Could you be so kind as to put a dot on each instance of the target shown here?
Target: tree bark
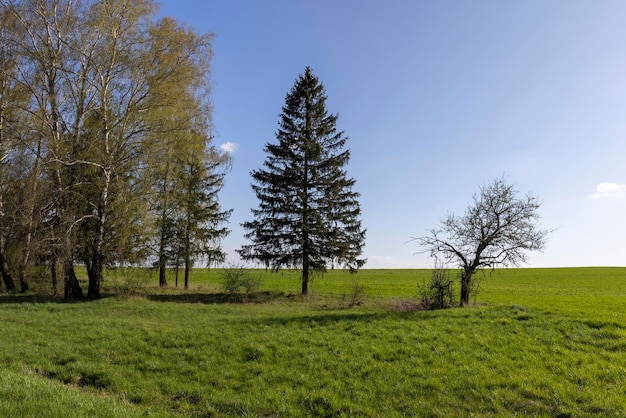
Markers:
(53, 275)
(29, 226)
(466, 281)
(6, 274)
(22, 278)
(162, 258)
(95, 270)
(162, 267)
(163, 233)
(187, 249)
(305, 278)
(72, 287)
(176, 270)
(95, 277)
(4, 265)
(187, 270)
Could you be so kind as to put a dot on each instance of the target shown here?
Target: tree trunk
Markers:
(187, 250)
(6, 274)
(163, 234)
(53, 275)
(305, 245)
(95, 277)
(72, 287)
(305, 279)
(162, 260)
(97, 258)
(466, 281)
(187, 269)
(25, 256)
(22, 277)
(4, 266)
(31, 212)
(162, 279)
(187, 259)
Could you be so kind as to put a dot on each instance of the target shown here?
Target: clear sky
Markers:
(437, 98)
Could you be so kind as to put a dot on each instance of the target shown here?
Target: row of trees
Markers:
(106, 155)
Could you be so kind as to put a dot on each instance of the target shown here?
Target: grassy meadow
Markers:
(537, 342)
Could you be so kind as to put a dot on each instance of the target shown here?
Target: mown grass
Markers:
(539, 342)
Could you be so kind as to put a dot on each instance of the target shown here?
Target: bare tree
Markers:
(497, 230)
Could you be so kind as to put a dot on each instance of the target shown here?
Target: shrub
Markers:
(238, 277)
(357, 295)
(437, 292)
(231, 279)
(250, 283)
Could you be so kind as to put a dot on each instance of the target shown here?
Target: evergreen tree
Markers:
(202, 220)
(179, 110)
(308, 214)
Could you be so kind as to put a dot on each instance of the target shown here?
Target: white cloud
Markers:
(607, 189)
(229, 147)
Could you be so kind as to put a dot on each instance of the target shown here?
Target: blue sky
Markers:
(437, 98)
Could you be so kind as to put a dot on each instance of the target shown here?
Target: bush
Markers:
(231, 279)
(357, 296)
(238, 277)
(250, 283)
(437, 293)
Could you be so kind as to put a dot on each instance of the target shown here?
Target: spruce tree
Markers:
(202, 219)
(308, 215)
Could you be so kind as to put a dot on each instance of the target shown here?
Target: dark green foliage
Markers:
(202, 217)
(308, 214)
(191, 221)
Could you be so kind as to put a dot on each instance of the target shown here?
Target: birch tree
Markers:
(109, 93)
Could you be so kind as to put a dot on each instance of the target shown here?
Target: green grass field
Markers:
(538, 342)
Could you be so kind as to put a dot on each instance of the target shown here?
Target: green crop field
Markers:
(537, 342)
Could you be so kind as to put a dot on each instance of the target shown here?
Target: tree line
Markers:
(106, 154)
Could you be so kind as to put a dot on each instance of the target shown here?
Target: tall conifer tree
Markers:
(308, 215)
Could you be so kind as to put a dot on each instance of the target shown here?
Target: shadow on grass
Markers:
(27, 298)
(321, 319)
(17, 298)
(222, 298)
